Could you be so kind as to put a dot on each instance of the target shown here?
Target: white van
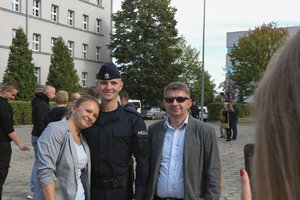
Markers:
(137, 103)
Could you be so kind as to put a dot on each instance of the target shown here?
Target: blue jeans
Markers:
(234, 129)
(33, 181)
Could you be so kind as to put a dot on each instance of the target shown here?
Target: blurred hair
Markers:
(177, 86)
(277, 157)
(93, 91)
(9, 86)
(61, 97)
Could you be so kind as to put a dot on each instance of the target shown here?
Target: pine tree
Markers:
(20, 68)
(62, 74)
(144, 45)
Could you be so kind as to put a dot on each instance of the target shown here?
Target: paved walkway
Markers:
(232, 158)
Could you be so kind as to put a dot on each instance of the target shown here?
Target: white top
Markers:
(82, 162)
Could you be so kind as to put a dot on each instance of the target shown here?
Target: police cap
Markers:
(108, 71)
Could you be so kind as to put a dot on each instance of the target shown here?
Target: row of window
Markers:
(54, 14)
(83, 77)
(36, 44)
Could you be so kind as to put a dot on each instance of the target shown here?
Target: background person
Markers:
(40, 107)
(235, 117)
(276, 161)
(63, 164)
(59, 111)
(228, 113)
(93, 91)
(195, 110)
(118, 134)
(184, 159)
(222, 120)
(124, 98)
(75, 96)
(7, 133)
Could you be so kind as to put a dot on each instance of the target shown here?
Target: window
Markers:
(71, 47)
(14, 32)
(36, 8)
(54, 13)
(99, 2)
(15, 5)
(85, 20)
(84, 79)
(84, 50)
(97, 53)
(70, 18)
(36, 42)
(98, 25)
(53, 40)
(37, 73)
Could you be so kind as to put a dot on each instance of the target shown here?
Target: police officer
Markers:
(117, 134)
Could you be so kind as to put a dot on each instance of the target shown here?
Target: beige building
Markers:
(85, 26)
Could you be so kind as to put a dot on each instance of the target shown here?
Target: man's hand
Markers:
(23, 147)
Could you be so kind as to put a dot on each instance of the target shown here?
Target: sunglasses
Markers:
(178, 99)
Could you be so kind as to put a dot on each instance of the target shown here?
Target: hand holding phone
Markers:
(248, 154)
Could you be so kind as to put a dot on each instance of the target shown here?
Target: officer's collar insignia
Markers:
(106, 76)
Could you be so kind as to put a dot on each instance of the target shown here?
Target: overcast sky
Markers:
(224, 16)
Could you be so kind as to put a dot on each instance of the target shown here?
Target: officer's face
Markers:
(177, 109)
(109, 89)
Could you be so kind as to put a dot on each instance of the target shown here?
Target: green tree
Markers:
(62, 74)
(189, 62)
(20, 68)
(144, 45)
(251, 55)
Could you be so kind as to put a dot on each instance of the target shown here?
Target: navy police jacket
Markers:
(113, 139)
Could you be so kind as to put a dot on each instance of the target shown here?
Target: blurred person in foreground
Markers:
(63, 160)
(7, 132)
(184, 159)
(276, 172)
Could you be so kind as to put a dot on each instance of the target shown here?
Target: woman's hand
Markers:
(245, 185)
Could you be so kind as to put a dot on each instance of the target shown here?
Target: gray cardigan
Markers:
(202, 167)
(57, 162)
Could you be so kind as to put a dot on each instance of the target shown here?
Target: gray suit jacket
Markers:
(58, 163)
(202, 167)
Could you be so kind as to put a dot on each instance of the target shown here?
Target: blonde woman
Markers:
(64, 158)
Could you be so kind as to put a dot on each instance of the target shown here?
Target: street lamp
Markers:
(202, 81)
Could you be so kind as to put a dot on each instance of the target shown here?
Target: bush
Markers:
(22, 112)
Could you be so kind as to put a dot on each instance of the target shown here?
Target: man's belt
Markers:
(109, 183)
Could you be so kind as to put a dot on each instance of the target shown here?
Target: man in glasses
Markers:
(184, 158)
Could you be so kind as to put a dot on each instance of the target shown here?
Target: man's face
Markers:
(10, 95)
(51, 93)
(109, 89)
(175, 108)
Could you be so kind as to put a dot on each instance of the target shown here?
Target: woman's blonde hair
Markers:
(277, 148)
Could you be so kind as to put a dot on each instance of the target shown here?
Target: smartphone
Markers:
(248, 154)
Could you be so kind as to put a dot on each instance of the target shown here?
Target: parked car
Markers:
(153, 113)
(205, 113)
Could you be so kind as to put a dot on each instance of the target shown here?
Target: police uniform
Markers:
(113, 139)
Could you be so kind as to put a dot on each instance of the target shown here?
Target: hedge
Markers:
(214, 110)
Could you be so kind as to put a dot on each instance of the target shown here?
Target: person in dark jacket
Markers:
(40, 107)
(7, 133)
(59, 111)
(117, 134)
(124, 98)
(194, 110)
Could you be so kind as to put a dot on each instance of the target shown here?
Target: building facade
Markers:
(84, 25)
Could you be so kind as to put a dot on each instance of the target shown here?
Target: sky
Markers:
(222, 16)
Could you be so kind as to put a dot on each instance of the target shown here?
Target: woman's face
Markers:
(85, 114)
